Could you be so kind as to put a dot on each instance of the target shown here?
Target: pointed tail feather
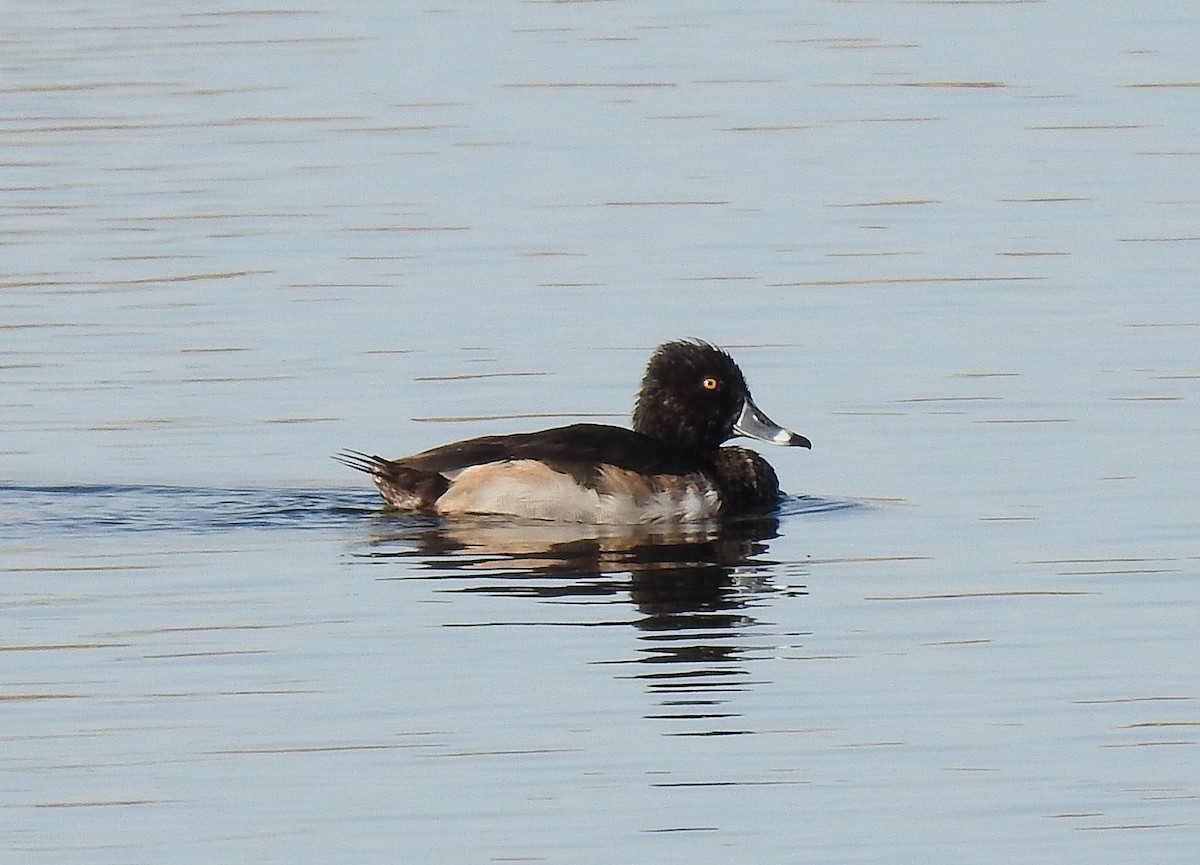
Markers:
(402, 486)
(369, 463)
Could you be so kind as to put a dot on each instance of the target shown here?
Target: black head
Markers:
(694, 397)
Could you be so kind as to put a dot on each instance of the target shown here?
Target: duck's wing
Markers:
(581, 450)
(585, 452)
(449, 460)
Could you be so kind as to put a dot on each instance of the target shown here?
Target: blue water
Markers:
(954, 244)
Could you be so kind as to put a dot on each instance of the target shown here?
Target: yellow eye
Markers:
(710, 383)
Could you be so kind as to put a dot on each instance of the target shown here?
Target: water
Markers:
(955, 244)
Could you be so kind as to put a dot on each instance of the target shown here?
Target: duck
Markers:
(671, 467)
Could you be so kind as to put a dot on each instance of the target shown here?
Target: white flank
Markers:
(530, 489)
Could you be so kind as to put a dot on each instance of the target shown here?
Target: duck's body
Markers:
(669, 468)
(590, 473)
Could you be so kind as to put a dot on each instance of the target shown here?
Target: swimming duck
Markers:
(669, 468)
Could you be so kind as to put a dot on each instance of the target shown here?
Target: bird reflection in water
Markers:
(694, 587)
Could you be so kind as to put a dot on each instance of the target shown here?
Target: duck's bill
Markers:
(754, 424)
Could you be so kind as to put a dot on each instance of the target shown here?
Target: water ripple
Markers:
(33, 511)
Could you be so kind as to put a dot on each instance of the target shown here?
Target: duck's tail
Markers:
(369, 463)
(401, 486)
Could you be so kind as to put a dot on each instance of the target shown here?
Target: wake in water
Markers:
(30, 511)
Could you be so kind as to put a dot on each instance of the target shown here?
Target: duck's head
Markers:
(694, 396)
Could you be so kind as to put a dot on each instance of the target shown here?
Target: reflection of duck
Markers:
(669, 468)
(671, 569)
(694, 587)
(472, 542)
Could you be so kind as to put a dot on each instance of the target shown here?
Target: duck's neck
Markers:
(657, 416)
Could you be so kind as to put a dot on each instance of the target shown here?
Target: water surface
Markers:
(955, 244)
